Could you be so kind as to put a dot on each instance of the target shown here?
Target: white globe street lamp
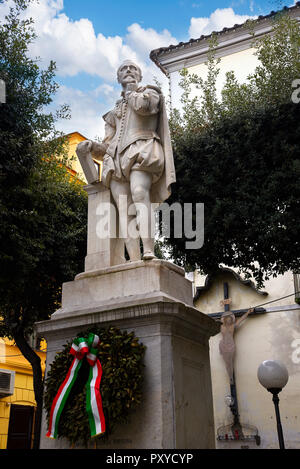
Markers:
(273, 375)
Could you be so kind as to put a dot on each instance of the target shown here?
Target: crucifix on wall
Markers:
(229, 324)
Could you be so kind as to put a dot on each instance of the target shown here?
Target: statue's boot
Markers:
(148, 244)
(133, 249)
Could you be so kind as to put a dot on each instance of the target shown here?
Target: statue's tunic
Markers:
(136, 140)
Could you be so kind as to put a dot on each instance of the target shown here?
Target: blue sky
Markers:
(115, 16)
(88, 39)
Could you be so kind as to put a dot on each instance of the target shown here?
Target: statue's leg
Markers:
(122, 197)
(140, 185)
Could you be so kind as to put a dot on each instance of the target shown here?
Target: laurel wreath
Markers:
(121, 356)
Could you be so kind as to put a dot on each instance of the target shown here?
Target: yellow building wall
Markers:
(74, 165)
(12, 359)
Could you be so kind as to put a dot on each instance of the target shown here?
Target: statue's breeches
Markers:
(142, 155)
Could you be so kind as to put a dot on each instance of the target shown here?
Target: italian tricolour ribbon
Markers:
(81, 347)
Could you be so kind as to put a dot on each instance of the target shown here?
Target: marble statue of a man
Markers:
(137, 157)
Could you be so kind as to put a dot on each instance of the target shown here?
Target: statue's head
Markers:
(129, 72)
(228, 317)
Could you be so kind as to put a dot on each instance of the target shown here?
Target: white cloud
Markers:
(74, 45)
(104, 89)
(219, 19)
(4, 9)
(87, 109)
(76, 48)
(144, 40)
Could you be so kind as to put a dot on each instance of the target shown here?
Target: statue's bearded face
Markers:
(128, 72)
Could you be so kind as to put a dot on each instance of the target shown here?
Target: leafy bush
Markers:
(238, 153)
(121, 357)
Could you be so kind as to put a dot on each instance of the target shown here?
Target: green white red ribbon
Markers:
(81, 348)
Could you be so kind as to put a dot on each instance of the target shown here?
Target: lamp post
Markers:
(273, 376)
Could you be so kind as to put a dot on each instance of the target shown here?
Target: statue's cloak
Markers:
(161, 190)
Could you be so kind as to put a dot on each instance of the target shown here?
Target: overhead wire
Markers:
(278, 299)
(257, 306)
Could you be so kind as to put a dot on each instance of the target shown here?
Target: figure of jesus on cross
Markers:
(229, 324)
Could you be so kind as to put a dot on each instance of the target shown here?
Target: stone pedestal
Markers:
(154, 299)
(104, 248)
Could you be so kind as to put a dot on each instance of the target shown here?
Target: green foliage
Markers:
(42, 212)
(269, 85)
(238, 153)
(43, 244)
(121, 357)
(279, 59)
(27, 130)
(247, 175)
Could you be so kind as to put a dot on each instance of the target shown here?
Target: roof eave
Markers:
(157, 55)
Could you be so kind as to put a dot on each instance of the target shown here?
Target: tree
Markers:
(239, 155)
(42, 211)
